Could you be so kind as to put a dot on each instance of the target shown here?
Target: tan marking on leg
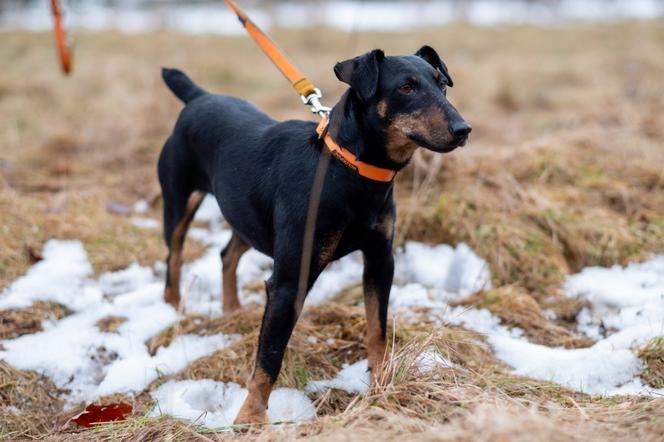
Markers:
(172, 291)
(376, 343)
(236, 248)
(386, 225)
(254, 408)
(329, 247)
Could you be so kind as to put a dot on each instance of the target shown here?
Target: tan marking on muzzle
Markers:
(430, 124)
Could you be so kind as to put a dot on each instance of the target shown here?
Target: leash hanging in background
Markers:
(61, 41)
(310, 94)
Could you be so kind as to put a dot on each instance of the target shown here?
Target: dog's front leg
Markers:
(281, 314)
(377, 281)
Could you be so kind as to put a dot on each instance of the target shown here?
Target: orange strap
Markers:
(61, 37)
(348, 158)
(300, 83)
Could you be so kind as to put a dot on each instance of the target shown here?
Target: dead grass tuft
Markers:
(518, 309)
(110, 324)
(29, 403)
(18, 322)
(324, 339)
(652, 354)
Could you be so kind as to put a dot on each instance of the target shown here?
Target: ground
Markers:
(563, 171)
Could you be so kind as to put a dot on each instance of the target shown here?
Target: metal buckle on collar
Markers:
(313, 101)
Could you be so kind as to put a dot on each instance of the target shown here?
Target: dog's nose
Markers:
(460, 129)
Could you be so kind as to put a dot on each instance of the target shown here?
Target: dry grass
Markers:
(518, 309)
(110, 324)
(29, 403)
(563, 171)
(18, 322)
(652, 354)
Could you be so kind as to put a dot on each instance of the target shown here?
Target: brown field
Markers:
(565, 169)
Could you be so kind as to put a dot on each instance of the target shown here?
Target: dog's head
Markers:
(404, 99)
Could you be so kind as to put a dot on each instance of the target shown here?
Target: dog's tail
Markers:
(181, 85)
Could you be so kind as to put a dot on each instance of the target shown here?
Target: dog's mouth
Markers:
(440, 148)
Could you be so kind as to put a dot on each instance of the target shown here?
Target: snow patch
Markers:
(216, 404)
(145, 223)
(98, 363)
(430, 359)
(61, 277)
(455, 270)
(635, 285)
(629, 301)
(626, 309)
(141, 206)
(353, 378)
(208, 210)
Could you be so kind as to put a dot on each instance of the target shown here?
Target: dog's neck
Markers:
(353, 128)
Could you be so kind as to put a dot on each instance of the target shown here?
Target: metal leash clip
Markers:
(313, 101)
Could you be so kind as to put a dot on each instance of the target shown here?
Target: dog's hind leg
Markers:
(177, 177)
(178, 214)
(230, 257)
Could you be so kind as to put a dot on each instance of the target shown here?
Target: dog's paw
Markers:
(251, 414)
(172, 297)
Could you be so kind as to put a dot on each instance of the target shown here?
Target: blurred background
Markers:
(203, 16)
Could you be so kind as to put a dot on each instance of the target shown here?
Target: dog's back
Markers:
(227, 146)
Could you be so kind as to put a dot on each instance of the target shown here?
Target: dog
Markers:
(261, 173)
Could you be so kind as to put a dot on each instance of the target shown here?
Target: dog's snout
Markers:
(460, 129)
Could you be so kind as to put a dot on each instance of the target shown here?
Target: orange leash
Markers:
(305, 88)
(61, 37)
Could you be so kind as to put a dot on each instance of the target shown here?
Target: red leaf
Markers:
(99, 414)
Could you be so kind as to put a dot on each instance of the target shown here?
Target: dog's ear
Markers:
(430, 55)
(361, 73)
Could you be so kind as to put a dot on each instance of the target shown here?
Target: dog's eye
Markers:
(406, 88)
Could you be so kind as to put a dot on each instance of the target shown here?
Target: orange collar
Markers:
(350, 160)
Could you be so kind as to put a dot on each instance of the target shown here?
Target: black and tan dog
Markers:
(261, 172)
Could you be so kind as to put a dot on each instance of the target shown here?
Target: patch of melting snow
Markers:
(73, 352)
(216, 404)
(141, 206)
(145, 223)
(628, 300)
(61, 276)
(352, 378)
(431, 359)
